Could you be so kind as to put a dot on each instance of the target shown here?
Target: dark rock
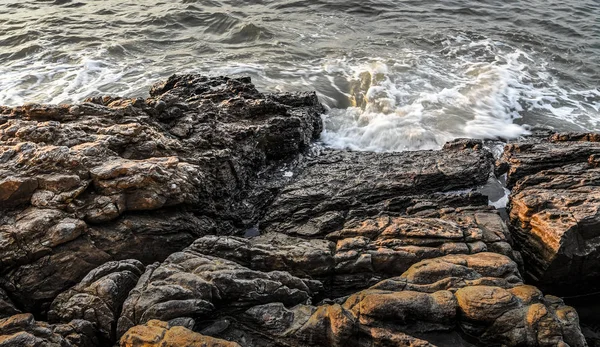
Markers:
(7, 307)
(338, 186)
(115, 178)
(99, 297)
(192, 284)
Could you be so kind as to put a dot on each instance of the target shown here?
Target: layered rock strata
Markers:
(115, 178)
(555, 209)
(202, 216)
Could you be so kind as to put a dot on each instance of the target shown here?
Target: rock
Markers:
(339, 185)
(98, 298)
(158, 333)
(7, 307)
(22, 330)
(554, 209)
(366, 250)
(425, 304)
(191, 284)
(115, 178)
(340, 248)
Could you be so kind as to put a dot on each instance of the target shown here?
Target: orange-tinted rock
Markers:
(159, 334)
(555, 209)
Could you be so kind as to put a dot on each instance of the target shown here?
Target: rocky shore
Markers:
(206, 215)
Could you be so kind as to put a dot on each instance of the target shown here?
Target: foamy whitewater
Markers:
(394, 76)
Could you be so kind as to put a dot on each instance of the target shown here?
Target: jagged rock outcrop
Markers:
(364, 251)
(121, 221)
(116, 178)
(555, 209)
(191, 284)
(22, 330)
(99, 297)
(481, 296)
(161, 334)
(339, 186)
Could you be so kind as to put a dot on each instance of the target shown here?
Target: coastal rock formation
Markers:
(555, 209)
(98, 298)
(365, 250)
(339, 186)
(114, 178)
(204, 216)
(156, 333)
(191, 284)
(22, 330)
(436, 301)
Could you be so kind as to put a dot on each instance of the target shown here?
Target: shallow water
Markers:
(395, 75)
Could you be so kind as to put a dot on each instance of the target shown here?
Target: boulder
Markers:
(191, 284)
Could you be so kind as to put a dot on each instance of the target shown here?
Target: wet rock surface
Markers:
(115, 178)
(204, 216)
(555, 209)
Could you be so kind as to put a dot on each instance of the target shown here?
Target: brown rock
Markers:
(554, 208)
(157, 333)
(105, 180)
(22, 330)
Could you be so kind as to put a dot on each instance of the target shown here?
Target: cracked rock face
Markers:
(339, 185)
(555, 209)
(115, 178)
(191, 284)
(99, 297)
(365, 251)
(121, 222)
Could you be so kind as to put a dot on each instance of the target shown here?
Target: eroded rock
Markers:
(161, 334)
(115, 178)
(192, 284)
(339, 186)
(554, 209)
(99, 297)
(433, 301)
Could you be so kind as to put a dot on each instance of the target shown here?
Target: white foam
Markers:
(82, 74)
(417, 99)
(476, 89)
(502, 202)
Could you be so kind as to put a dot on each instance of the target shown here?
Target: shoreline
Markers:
(123, 220)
